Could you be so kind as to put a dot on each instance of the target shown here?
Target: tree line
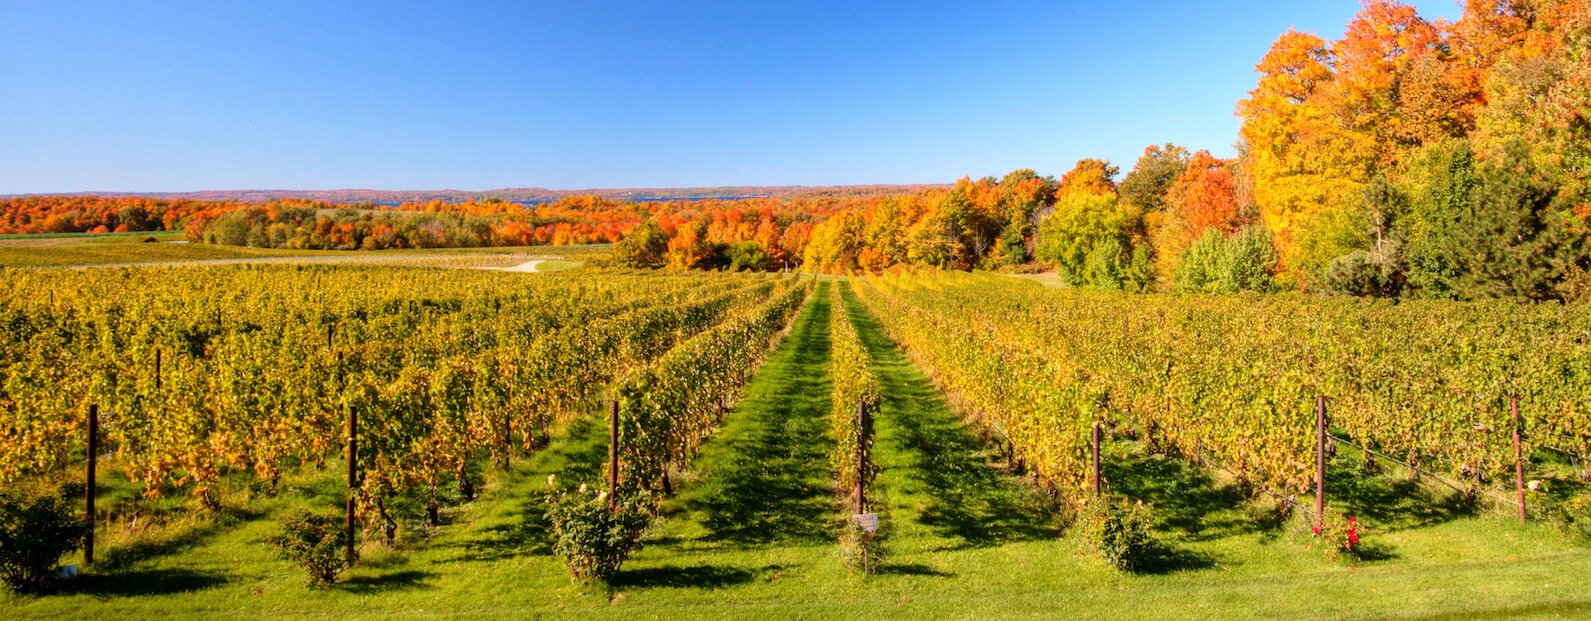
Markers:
(1409, 158)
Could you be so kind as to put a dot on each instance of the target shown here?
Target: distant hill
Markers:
(525, 195)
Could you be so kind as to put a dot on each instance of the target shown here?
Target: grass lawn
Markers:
(62, 250)
(557, 265)
(1050, 279)
(159, 235)
(751, 534)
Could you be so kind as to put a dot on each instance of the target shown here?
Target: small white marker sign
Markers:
(868, 521)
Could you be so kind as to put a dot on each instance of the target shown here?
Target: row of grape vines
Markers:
(668, 408)
(201, 373)
(855, 389)
(1235, 378)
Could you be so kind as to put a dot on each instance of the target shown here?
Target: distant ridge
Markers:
(516, 194)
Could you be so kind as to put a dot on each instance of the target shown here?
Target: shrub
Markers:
(1338, 537)
(593, 538)
(1364, 273)
(863, 551)
(1217, 264)
(1074, 228)
(316, 542)
(643, 247)
(36, 530)
(1102, 266)
(746, 256)
(1120, 533)
(1140, 272)
(1572, 515)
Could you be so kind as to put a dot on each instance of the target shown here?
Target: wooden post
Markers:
(1519, 456)
(157, 368)
(89, 482)
(1320, 462)
(328, 336)
(613, 453)
(1098, 490)
(353, 480)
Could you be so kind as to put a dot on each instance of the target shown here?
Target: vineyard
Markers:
(1157, 311)
(721, 441)
(1238, 380)
(257, 370)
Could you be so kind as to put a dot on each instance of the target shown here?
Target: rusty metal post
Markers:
(1519, 456)
(861, 457)
(1098, 490)
(89, 487)
(613, 453)
(508, 442)
(1320, 462)
(353, 480)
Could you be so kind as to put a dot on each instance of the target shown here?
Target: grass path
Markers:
(937, 485)
(765, 478)
(756, 517)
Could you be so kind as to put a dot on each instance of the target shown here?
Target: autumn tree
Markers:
(835, 243)
(644, 247)
(884, 236)
(1298, 151)
(1143, 190)
(793, 241)
(1389, 88)
(1083, 222)
(1023, 195)
(1202, 198)
(689, 248)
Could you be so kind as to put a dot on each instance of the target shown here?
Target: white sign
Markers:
(868, 522)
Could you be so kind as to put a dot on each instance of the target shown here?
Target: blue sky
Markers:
(152, 96)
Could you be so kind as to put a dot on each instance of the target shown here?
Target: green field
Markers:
(80, 249)
(557, 266)
(751, 530)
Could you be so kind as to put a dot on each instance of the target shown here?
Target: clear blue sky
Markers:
(147, 96)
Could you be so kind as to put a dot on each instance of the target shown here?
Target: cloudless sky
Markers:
(168, 96)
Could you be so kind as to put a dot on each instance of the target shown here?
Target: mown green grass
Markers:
(131, 248)
(751, 534)
(557, 266)
(30, 252)
(159, 235)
